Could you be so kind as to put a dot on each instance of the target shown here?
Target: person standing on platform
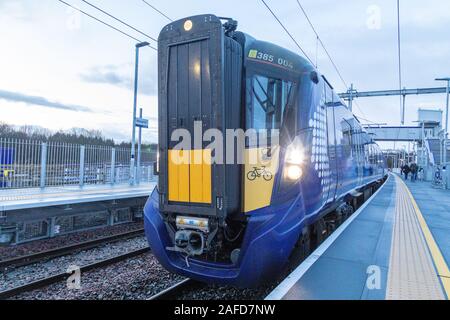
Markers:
(420, 174)
(413, 167)
(406, 170)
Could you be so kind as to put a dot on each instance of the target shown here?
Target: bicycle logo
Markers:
(258, 172)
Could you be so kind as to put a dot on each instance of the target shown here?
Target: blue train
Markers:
(240, 222)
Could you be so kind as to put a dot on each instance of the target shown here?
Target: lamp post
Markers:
(441, 154)
(351, 91)
(133, 132)
(446, 128)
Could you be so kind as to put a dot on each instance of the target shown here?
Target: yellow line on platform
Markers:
(439, 261)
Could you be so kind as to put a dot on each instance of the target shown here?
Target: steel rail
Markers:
(37, 284)
(61, 251)
(171, 292)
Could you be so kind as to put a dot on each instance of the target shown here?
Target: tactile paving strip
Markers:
(412, 275)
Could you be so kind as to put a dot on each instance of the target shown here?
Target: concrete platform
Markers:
(17, 199)
(393, 247)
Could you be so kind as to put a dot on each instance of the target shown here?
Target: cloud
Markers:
(106, 74)
(13, 9)
(40, 101)
(119, 76)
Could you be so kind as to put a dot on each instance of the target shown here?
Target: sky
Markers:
(60, 69)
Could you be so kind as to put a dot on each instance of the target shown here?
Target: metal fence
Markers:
(31, 164)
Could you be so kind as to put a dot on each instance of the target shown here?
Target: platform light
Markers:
(188, 25)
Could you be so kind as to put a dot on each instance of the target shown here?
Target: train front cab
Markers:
(200, 73)
(228, 80)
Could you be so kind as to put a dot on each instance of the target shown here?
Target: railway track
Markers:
(172, 292)
(58, 252)
(37, 284)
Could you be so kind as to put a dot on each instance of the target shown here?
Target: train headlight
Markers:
(294, 172)
(295, 157)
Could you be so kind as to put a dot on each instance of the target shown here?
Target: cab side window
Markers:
(268, 102)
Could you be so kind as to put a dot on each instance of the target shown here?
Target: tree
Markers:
(74, 136)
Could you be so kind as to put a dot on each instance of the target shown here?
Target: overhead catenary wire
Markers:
(360, 110)
(371, 122)
(119, 20)
(319, 41)
(287, 31)
(322, 44)
(400, 60)
(157, 10)
(317, 52)
(104, 23)
(402, 115)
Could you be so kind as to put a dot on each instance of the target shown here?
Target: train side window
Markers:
(358, 145)
(328, 94)
(347, 142)
(372, 154)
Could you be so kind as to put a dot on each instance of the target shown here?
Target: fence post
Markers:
(43, 164)
(113, 166)
(82, 151)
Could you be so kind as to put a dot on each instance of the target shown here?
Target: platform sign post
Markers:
(140, 123)
(133, 131)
